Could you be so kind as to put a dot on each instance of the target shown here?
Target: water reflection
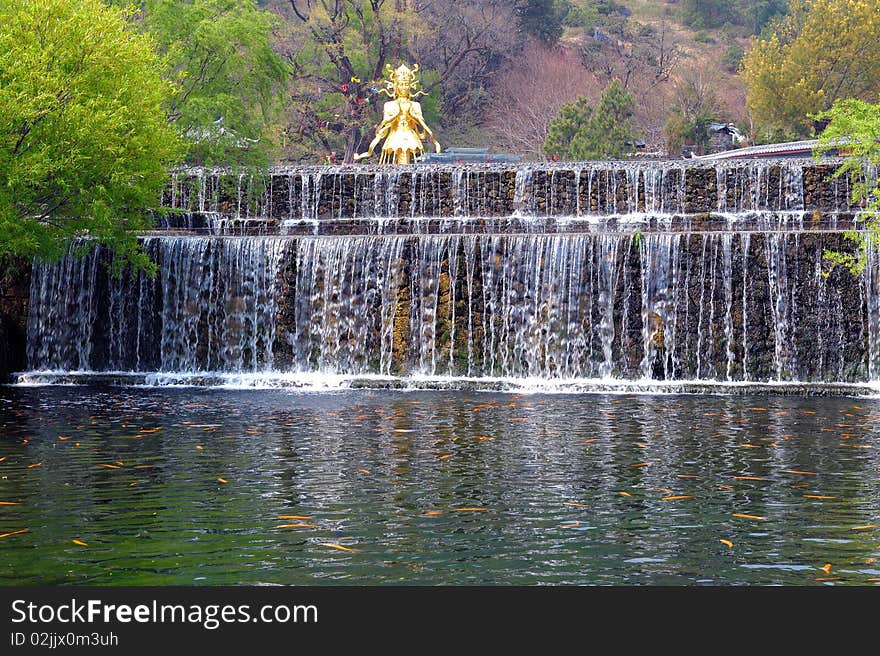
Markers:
(183, 486)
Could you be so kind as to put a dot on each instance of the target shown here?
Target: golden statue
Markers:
(402, 121)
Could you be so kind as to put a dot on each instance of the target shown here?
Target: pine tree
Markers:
(583, 132)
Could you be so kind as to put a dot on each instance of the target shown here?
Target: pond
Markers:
(195, 486)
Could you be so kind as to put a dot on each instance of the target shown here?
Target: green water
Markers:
(385, 474)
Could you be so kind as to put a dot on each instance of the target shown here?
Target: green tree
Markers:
(573, 118)
(732, 58)
(84, 142)
(752, 14)
(854, 130)
(696, 105)
(823, 51)
(543, 18)
(701, 14)
(582, 132)
(585, 15)
(229, 77)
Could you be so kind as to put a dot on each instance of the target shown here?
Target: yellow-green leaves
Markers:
(84, 143)
(822, 51)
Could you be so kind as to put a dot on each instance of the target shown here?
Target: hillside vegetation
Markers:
(499, 72)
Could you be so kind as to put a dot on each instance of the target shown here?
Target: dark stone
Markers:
(15, 276)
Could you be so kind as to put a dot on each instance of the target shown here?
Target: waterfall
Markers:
(872, 293)
(481, 272)
(211, 308)
(532, 306)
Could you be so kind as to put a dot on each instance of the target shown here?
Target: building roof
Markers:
(788, 149)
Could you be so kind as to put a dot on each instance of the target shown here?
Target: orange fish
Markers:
(744, 516)
(109, 466)
(826, 568)
(817, 496)
(301, 525)
(21, 530)
(432, 513)
(469, 509)
(9, 503)
(624, 494)
(222, 480)
(725, 487)
(80, 543)
(294, 517)
(361, 470)
(574, 504)
(749, 478)
(36, 464)
(865, 527)
(641, 464)
(688, 476)
(801, 473)
(341, 547)
(570, 525)
(726, 543)
(677, 497)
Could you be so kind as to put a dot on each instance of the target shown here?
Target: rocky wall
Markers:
(14, 298)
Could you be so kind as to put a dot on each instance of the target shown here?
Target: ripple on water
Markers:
(386, 475)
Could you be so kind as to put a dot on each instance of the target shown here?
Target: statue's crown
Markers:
(402, 73)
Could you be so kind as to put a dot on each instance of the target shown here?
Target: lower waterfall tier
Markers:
(678, 306)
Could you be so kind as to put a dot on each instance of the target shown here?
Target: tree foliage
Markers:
(543, 19)
(732, 58)
(854, 130)
(823, 51)
(584, 132)
(338, 51)
(752, 14)
(84, 142)
(695, 106)
(535, 86)
(229, 78)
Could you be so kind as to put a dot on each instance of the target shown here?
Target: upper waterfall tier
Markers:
(346, 199)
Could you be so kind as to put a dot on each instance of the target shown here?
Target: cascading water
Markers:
(712, 274)
(212, 307)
